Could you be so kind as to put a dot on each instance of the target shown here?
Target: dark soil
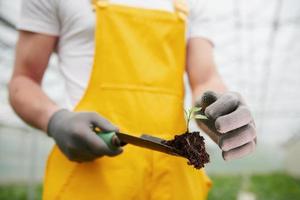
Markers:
(191, 146)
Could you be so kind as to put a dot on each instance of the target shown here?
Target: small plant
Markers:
(193, 113)
(191, 145)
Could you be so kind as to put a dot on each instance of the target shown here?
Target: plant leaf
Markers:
(186, 114)
(200, 117)
(197, 109)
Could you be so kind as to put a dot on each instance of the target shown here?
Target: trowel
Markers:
(117, 139)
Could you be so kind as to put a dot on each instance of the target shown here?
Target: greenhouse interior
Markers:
(256, 50)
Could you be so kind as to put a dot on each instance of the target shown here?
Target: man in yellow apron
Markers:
(136, 86)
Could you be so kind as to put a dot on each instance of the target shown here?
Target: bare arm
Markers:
(230, 124)
(71, 131)
(201, 68)
(25, 93)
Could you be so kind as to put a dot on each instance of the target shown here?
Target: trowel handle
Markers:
(110, 139)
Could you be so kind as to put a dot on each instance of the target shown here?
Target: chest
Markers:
(77, 19)
(78, 13)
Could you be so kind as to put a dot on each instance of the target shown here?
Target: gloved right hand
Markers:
(74, 135)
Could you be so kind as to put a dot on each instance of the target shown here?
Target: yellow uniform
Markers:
(137, 84)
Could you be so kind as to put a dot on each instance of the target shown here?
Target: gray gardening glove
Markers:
(230, 123)
(74, 135)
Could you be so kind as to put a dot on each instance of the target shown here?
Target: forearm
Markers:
(201, 68)
(213, 83)
(30, 102)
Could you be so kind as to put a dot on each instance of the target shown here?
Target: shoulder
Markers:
(40, 4)
(200, 19)
(196, 5)
(197, 9)
(39, 16)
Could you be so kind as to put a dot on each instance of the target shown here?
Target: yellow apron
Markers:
(137, 84)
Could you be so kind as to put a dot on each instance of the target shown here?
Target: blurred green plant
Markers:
(224, 187)
(275, 186)
(19, 192)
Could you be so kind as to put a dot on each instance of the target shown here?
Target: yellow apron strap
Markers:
(180, 6)
(100, 3)
(181, 9)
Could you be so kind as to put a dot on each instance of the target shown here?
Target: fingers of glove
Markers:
(237, 138)
(98, 147)
(80, 156)
(227, 103)
(100, 122)
(239, 152)
(74, 149)
(206, 99)
(238, 118)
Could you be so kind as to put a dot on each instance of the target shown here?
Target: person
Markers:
(123, 63)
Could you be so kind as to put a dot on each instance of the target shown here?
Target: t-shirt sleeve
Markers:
(200, 20)
(39, 16)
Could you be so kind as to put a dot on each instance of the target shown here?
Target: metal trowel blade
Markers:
(148, 142)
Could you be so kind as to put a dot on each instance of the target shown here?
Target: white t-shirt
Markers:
(74, 22)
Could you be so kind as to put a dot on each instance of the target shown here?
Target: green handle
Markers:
(107, 137)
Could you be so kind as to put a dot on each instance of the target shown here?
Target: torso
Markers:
(76, 40)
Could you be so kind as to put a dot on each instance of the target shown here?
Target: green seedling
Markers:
(191, 144)
(193, 113)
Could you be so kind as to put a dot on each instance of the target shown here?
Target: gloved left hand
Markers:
(230, 123)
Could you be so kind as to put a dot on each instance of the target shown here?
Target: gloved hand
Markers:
(74, 135)
(230, 123)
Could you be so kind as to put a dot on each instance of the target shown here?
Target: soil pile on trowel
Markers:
(191, 146)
